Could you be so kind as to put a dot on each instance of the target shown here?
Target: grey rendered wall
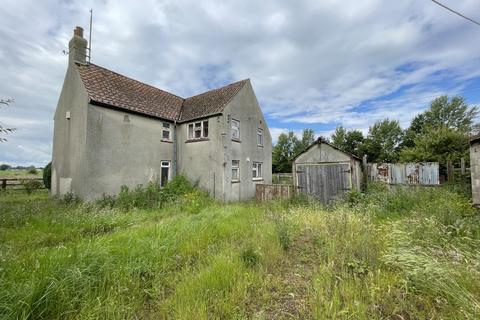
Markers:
(123, 149)
(69, 138)
(202, 161)
(244, 107)
(475, 172)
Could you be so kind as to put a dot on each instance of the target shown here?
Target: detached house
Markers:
(111, 130)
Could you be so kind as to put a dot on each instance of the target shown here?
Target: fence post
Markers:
(365, 173)
(4, 184)
(462, 166)
(450, 173)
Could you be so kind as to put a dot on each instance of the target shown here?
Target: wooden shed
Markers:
(475, 169)
(326, 172)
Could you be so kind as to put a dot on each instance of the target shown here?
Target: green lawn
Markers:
(409, 254)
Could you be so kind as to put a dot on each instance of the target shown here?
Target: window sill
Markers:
(236, 140)
(257, 179)
(260, 145)
(167, 140)
(197, 140)
(235, 181)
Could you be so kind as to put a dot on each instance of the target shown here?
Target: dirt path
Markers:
(290, 285)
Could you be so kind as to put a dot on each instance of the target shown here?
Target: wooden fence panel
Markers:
(268, 192)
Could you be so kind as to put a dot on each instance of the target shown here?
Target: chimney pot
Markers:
(78, 31)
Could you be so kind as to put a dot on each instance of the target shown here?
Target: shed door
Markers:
(326, 182)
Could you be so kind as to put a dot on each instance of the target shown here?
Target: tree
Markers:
(348, 140)
(47, 175)
(3, 129)
(4, 167)
(438, 144)
(308, 137)
(284, 151)
(451, 113)
(287, 147)
(383, 141)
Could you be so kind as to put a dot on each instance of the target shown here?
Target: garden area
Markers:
(173, 253)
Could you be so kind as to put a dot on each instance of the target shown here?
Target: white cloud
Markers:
(309, 61)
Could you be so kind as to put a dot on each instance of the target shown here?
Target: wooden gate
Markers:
(326, 181)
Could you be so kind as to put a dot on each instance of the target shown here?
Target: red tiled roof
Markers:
(210, 102)
(110, 88)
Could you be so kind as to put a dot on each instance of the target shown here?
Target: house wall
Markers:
(475, 171)
(69, 138)
(123, 149)
(244, 107)
(202, 161)
(323, 153)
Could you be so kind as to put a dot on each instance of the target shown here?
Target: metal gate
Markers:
(326, 181)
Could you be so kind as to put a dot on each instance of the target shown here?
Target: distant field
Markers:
(21, 173)
(413, 254)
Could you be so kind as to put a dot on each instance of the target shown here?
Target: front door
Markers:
(165, 173)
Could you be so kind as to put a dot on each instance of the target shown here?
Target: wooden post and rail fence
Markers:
(18, 183)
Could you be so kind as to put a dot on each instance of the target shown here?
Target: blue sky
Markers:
(313, 64)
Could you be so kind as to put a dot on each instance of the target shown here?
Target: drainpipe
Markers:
(174, 161)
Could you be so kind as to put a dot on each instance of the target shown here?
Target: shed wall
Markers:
(324, 153)
(475, 171)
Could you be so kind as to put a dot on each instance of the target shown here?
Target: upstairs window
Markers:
(235, 129)
(166, 131)
(257, 171)
(235, 170)
(198, 130)
(260, 137)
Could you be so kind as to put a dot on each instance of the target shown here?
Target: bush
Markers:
(47, 176)
(32, 170)
(70, 198)
(4, 167)
(107, 201)
(154, 196)
(32, 185)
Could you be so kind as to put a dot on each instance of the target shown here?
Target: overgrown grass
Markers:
(175, 254)
(20, 173)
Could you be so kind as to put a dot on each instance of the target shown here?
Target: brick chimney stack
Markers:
(77, 47)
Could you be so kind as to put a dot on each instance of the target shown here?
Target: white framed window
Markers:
(235, 129)
(260, 137)
(164, 173)
(166, 131)
(257, 171)
(235, 170)
(197, 130)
